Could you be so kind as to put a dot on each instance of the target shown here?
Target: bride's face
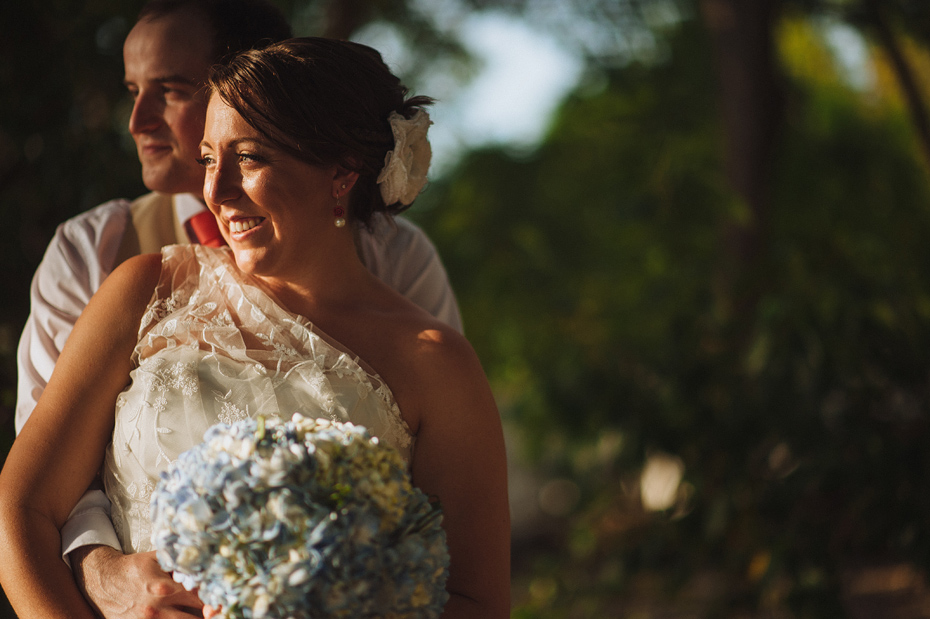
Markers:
(271, 207)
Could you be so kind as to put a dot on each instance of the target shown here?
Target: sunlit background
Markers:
(689, 240)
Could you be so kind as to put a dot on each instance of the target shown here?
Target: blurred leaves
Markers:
(595, 286)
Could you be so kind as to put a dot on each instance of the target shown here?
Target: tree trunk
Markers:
(751, 107)
(751, 110)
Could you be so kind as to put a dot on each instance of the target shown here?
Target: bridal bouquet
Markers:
(308, 518)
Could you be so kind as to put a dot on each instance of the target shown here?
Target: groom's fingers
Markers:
(180, 601)
(184, 602)
(132, 586)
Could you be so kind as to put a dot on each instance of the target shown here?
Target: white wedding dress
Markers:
(215, 347)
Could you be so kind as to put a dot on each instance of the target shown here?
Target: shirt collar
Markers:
(186, 205)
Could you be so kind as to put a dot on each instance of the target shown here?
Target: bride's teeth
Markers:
(241, 225)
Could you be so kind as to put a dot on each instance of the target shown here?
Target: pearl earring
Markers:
(339, 212)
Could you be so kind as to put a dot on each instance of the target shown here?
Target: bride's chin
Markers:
(246, 260)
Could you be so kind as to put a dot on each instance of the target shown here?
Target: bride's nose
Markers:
(222, 183)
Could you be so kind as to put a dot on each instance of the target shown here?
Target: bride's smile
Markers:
(244, 225)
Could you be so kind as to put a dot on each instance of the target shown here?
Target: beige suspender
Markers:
(152, 225)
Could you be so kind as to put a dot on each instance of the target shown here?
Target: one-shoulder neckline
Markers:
(378, 384)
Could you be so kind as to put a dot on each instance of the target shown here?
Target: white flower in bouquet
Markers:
(308, 518)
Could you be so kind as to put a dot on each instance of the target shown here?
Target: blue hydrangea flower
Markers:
(308, 518)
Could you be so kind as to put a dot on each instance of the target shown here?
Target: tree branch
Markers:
(912, 95)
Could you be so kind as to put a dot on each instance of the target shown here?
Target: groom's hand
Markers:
(132, 586)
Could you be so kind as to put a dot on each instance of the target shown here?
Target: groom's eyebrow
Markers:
(169, 79)
(175, 79)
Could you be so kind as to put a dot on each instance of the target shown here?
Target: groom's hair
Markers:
(237, 25)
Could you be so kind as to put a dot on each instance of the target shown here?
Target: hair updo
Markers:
(326, 102)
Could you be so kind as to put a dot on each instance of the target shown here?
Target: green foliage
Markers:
(577, 270)
(597, 286)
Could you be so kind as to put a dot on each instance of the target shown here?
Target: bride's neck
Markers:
(331, 280)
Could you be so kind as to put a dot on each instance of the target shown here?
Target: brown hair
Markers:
(324, 101)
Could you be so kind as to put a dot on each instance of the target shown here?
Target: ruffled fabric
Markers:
(405, 167)
(215, 347)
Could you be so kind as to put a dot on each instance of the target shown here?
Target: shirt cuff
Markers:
(88, 524)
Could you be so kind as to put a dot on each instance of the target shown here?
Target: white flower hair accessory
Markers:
(405, 167)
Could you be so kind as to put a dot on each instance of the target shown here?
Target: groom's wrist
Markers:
(91, 565)
(88, 525)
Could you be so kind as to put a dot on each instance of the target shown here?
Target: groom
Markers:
(167, 56)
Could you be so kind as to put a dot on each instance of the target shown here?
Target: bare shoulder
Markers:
(437, 349)
(136, 275)
(146, 266)
(126, 292)
(439, 371)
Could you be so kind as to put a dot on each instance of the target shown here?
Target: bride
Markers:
(304, 141)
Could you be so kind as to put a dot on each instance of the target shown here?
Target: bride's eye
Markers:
(205, 161)
(250, 158)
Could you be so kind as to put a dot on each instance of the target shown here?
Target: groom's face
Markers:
(166, 61)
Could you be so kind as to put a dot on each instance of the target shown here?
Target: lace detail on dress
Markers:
(229, 412)
(132, 517)
(159, 375)
(162, 307)
(214, 347)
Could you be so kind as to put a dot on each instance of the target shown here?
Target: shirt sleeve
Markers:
(78, 259)
(76, 262)
(88, 524)
(400, 254)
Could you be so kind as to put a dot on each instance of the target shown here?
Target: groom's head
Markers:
(166, 58)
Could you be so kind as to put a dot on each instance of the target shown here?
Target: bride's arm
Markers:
(61, 447)
(459, 458)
